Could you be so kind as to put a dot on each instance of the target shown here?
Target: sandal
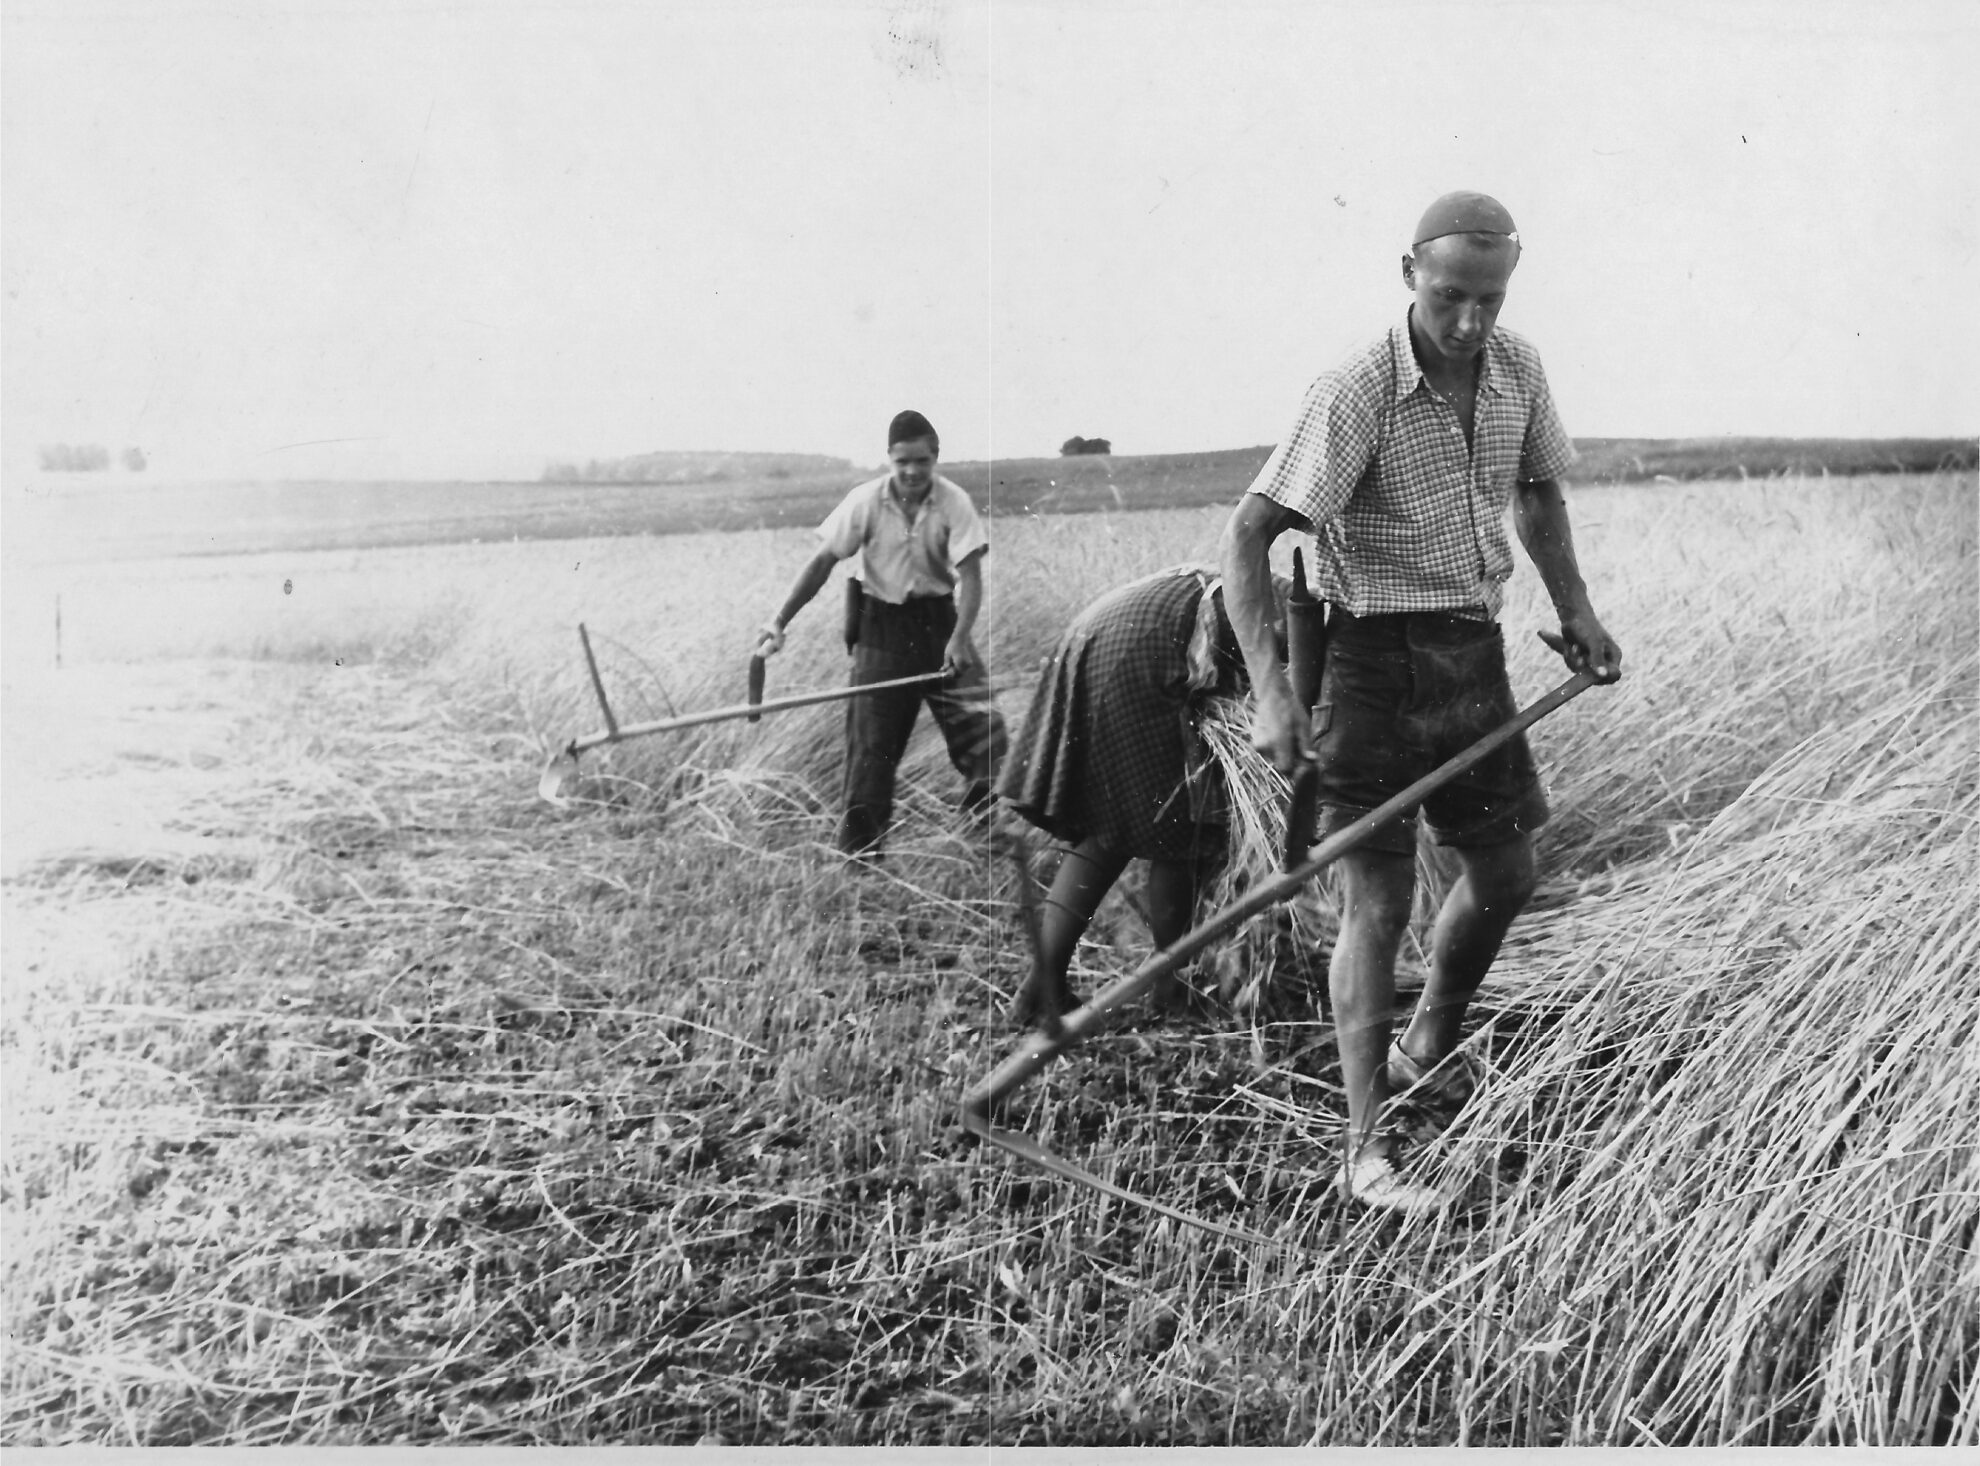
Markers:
(1452, 1080)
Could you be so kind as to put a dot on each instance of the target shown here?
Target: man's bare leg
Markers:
(1361, 978)
(1496, 883)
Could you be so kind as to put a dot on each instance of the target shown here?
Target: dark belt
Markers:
(1395, 628)
(911, 604)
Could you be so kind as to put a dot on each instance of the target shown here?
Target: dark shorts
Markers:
(1403, 694)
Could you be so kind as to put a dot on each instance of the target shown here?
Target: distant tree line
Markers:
(1076, 445)
(87, 458)
(691, 468)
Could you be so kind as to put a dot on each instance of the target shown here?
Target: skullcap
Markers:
(1464, 213)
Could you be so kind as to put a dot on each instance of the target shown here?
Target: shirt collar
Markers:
(890, 495)
(1408, 376)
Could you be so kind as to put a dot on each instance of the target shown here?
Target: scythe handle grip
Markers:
(1300, 806)
(597, 682)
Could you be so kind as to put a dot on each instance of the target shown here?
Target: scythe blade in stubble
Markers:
(558, 775)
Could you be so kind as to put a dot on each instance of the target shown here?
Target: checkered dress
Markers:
(1108, 748)
(1406, 517)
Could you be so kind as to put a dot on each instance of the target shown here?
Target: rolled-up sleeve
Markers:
(1548, 452)
(968, 534)
(843, 531)
(1316, 466)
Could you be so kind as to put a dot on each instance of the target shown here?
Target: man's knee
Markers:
(1000, 739)
(1503, 877)
(979, 731)
(1378, 888)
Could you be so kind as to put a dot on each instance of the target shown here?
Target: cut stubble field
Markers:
(354, 1096)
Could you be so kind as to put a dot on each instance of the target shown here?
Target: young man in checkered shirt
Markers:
(1401, 465)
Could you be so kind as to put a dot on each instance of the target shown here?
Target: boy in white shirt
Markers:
(921, 545)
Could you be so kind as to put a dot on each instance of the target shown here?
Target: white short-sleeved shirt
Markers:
(902, 556)
(1405, 516)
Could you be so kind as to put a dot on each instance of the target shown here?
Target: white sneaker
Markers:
(1372, 1179)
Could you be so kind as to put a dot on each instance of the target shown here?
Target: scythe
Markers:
(562, 768)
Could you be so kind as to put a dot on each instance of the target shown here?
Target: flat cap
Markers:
(1464, 213)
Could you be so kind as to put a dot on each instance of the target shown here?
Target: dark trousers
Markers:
(906, 641)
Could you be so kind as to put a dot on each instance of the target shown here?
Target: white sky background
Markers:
(464, 239)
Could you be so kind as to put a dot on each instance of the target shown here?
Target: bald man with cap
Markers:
(1402, 465)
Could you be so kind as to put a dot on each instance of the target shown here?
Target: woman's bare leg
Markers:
(1086, 874)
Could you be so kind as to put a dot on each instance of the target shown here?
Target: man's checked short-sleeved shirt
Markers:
(1406, 518)
(901, 556)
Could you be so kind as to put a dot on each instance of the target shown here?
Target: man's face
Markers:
(1459, 285)
(914, 466)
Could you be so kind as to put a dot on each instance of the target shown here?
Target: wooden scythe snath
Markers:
(562, 768)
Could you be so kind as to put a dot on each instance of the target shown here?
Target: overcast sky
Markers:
(373, 238)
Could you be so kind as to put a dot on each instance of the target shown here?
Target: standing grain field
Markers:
(353, 1096)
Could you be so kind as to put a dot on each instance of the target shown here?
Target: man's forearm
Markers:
(1246, 555)
(1541, 516)
(810, 580)
(969, 594)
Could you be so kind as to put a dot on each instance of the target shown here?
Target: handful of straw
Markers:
(1265, 967)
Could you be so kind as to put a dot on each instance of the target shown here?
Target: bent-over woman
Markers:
(1110, 765)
